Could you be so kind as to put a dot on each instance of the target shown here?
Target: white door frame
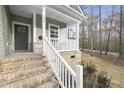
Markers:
(55, 26)
(13, 33)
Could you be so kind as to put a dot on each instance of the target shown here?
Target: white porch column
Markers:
(78, 36)
(34, 31)
(44, 26)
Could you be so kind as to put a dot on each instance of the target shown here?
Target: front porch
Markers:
(60, 29)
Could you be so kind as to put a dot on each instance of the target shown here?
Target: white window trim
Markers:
(55, 26)
(72, 25)
(13, 33)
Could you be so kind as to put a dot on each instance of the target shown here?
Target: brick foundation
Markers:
(38, 48)
(72, 57)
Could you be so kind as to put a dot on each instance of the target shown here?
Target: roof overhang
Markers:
(58, 12)
(65, 9)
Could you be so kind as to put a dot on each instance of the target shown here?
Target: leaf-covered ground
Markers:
(115, 71)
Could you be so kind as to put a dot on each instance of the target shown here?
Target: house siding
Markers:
(5, 30)
(21, 19)
(48, 21)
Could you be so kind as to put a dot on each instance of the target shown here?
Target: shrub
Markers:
(103, 80)
(89, 76)
(91, 80)
(90, 69)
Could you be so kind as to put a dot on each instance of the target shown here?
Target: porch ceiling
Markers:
(25, 10)
(28, 10)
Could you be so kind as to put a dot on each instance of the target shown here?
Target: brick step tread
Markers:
(51, 83)
(39, 82)
(28, 75)
(31, 81)
(21, 73)
(10, 69)
(19, 61)
(7, 60)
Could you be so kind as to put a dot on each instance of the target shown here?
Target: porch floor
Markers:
(26, 70)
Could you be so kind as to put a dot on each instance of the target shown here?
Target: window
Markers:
(72, 32)
(53, 31)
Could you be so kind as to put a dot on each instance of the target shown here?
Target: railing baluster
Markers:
(60, 71)
(64, 73)
(65, 77)
(55, 62)
(68, 80)
(72, 82)
(58, 66)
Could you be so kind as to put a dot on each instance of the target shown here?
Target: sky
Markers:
(105, 10)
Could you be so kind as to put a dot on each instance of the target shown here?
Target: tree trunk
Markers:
(120, 37)
(91, 30)
(111, 21)
(100, 29)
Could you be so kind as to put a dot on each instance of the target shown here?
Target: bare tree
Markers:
(91, 30)
(120, 39)
(100, 35)
(109, 34)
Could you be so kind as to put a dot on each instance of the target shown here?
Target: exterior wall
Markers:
(5, 31)
(62, 29)
(72, 61)
(38, 48)
(24, 20)
(21, 19)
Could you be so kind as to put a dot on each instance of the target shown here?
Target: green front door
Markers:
(21, 37)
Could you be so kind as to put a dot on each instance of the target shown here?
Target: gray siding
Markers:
(5, 31)
(48, 21)
(21, 19)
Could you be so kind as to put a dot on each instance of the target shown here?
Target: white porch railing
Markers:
(65, 45)
(65, 75)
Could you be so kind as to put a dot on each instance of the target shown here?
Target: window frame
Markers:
(56, 30)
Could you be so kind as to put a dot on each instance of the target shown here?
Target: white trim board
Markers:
(60, 13)
(13, 33)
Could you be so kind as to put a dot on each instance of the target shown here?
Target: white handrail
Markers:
(63, 72)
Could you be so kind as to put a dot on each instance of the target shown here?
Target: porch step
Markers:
(51, 83)
(22, 74)
(19, 64)
(27, 73)
(32, 81)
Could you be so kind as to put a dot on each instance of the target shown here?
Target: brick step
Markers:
(51, 83)
(12, 68)
(20, 60)
(27, 72)
(14, 60)
(19, 75)
(32, 81)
